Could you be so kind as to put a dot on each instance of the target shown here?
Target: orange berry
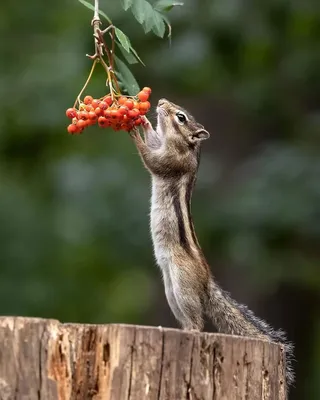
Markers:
(144, 107)
(71, 113)
(114, 114)
(102, 121)
(122, 100)
(81, 124)
(129, 104)
(72, 129)
(107, 113)
(123, 110)
(95, 103)
(138, 121)
(108, 100)
(147, 90)
(88, 100)
(133, 113)
(92, 115)
(103, 105)
(83, 115)
(143, 96)
(98, 111)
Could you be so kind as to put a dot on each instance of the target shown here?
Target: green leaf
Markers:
(149, 20)
(126, 4)
(91, 7)
(166, 5)
(125, 44)
(130, 58)
(128, 79)
(141, 9)
(123, 39)
(136, 55)
(158, 27)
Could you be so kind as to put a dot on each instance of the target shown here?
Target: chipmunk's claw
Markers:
(135, 135)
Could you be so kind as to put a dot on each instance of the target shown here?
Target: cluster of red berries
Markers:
(122, 113)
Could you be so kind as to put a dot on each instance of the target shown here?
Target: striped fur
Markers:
(172, 155)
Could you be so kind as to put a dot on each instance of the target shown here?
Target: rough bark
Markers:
(46, 360)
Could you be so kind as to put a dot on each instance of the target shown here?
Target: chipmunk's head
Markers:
(177, 125)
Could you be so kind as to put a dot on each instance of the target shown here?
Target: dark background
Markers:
(74, 239)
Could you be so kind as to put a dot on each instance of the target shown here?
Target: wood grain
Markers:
(46, 360)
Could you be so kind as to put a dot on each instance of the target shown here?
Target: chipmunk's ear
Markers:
(200, 134)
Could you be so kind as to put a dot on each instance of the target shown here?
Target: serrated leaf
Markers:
(166, 5)
(127, 77)
(159, 26)
(123, 39)
(91, 7)
(130, 58)
(138, 9)
(149, 20)
(126, 4)
(136, 55)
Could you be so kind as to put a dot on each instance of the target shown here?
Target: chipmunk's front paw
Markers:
(136, 137)
(146, 124)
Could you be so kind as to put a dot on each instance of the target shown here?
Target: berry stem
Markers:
(85, 85)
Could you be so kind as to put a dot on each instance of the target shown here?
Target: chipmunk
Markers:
(171, 154)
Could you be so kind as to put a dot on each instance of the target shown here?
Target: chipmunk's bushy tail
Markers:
(236, 319)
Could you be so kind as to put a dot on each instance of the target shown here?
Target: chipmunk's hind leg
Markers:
(189, 302)
(177, 312)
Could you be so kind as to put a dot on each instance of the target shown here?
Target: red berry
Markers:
(107, 113)
(129, 104)
(144, 107)
(114, 114)
(143, 96)
(133, 113)
(72, 129)
(95, 103)
(102, 121)
(98, 111)
(147, 90)
(122, 100)
(108, 100)
(138, 121)
(103, 105)
(83, 115)
(81, 124)
(123, 110)
(92, 115)
(71, 113)
(88, 100)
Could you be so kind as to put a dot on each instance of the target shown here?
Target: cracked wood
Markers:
(46, 360)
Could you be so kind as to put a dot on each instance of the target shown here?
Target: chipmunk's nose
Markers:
(162, 102)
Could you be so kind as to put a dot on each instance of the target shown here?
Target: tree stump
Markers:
(46, 360)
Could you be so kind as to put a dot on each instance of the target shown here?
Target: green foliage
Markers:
(126, 77)
(151, 17)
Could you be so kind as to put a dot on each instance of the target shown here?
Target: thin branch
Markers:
(96, 22)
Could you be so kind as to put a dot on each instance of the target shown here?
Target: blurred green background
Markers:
(74, 238)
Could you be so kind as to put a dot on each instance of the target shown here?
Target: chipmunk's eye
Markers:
(181, 118)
